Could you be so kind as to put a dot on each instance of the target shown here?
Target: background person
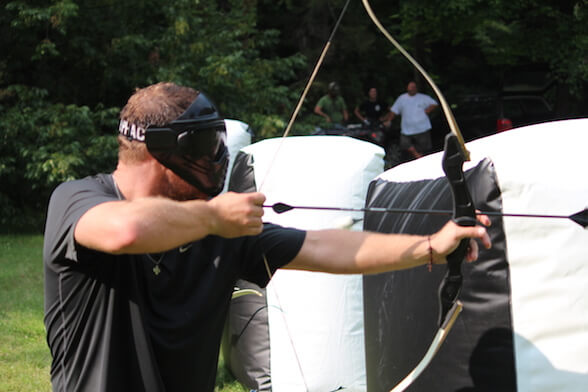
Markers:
(415, 125)
(332, 107)
(140, 264)
(372, 111)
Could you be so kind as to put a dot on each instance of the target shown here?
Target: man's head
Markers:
(334, 89)
(373, 94)
(157, 104)
(412, 88)
(181, 129)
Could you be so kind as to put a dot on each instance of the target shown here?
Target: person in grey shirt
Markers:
(140, 264)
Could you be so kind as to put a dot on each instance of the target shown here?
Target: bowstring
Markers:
(272, 164)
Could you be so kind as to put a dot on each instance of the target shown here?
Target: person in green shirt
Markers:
(332, 107)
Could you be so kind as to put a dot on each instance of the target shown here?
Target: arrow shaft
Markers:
(410, 211)
(370, 209)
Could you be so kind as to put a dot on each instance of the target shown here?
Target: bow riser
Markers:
(464, 214)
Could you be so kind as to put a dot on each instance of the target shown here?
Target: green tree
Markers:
(75, 62)
(69, 65)
(43, 144)
(220, 50)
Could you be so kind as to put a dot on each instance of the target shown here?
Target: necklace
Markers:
(156, 262)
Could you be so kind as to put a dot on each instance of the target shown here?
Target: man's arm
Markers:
(388, 117)
(430, 108)
(318, 110)
(348, 252)
(156, 224)
(358, 114)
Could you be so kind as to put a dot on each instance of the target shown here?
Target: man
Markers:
(372, 111)
(332, 107)
(415, 126)
(140, 264)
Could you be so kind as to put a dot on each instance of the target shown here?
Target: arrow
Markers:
(580, 217)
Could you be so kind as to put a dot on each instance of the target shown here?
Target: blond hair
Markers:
(158, 105)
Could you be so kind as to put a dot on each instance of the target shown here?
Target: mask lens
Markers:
(201, 143)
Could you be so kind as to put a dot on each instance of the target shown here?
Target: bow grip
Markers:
(464, 214)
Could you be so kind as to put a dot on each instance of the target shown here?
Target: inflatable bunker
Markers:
(306, 332)
(524, 326)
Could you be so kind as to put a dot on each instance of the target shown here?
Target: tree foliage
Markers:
(68, 66)
(43, 144)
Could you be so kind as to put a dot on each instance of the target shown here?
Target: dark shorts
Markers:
(421, 142)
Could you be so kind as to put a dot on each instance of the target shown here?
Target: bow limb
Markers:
(433, 348)
(444, 105)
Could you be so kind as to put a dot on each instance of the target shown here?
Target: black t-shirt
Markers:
(373, 110)
(114, 325)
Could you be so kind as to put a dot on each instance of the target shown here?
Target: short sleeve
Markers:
(397, 106)
(67, 204)
(321, 102)
(431, 101)
(276, 244)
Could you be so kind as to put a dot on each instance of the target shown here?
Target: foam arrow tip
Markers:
(580, 218)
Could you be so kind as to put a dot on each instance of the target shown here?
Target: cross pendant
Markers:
(156, 270)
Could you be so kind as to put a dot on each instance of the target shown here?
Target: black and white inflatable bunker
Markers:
(239, 135)
(524, 326)
(306, 332)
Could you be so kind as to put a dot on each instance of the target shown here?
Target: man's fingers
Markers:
(238, 214)
(484, 219)
(478, 232)
(257, 198)
(472, 254)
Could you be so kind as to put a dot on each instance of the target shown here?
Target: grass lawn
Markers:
(24, 355)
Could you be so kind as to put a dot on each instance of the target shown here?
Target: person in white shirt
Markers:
(415, 126)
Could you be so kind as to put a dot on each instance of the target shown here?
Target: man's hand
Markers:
(237, 214)
(429, 109)
(447, 239)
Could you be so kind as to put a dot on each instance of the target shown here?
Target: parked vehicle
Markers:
(482, 115)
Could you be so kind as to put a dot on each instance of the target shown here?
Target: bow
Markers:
(463, 214)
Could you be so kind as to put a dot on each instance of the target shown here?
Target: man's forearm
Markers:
(144, 225)
(156, 224)
(348, 252)
(429, 109)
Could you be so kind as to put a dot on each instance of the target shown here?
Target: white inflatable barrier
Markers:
(540, 313)
(238, 136)
(315, 319)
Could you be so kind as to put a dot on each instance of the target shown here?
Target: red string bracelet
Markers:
(430, 264)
